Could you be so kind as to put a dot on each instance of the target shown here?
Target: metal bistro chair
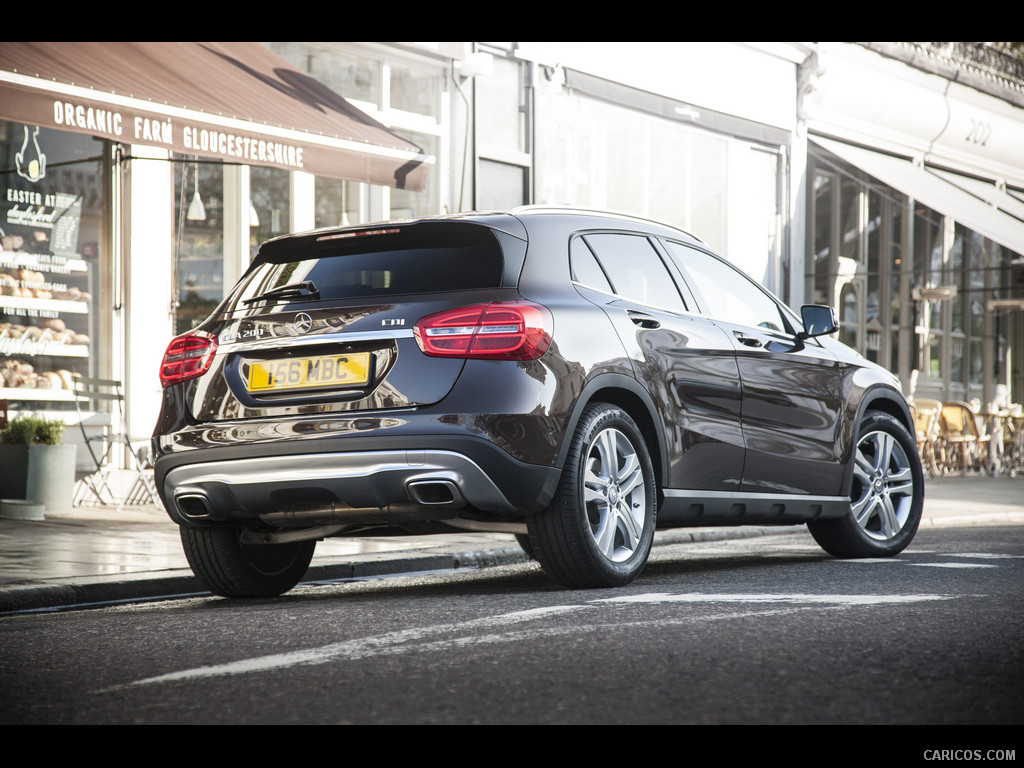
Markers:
(966, 445)
(1014, 440)
(107, 396)
(926, 419)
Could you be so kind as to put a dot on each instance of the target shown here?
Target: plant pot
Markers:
(19, 509)
(41, 473)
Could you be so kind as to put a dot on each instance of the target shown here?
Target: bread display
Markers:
(44, 320)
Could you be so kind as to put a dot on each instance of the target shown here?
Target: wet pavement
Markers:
(96, 554)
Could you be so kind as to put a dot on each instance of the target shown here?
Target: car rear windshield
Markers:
(376, 263)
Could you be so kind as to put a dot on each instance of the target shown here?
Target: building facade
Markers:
(129, 208)
(915, 190)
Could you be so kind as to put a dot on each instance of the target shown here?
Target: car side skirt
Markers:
(695, 508)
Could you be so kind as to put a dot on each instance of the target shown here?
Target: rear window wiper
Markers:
(304, 290)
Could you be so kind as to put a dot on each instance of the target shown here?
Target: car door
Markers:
(684, 361)
(792, 389)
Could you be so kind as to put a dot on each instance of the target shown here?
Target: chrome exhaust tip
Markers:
(194, 506)
(436, 493)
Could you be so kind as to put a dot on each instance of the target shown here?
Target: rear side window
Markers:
(585, 269)
(635, 270)
(429, 258)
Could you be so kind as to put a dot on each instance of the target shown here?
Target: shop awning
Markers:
(238, 102)
(938, 191)
(986, 191)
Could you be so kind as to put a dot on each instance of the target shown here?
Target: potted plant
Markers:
(35, 464)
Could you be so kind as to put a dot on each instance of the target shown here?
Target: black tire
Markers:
(599, 528)
(523, 539)
(887, 496)
(229, 568)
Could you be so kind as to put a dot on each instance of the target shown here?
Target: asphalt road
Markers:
(752, 631)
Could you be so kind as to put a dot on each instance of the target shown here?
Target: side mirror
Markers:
(818, 321)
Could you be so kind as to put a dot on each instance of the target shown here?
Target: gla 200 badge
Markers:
(303, 322)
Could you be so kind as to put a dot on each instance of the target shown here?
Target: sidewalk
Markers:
(95, 554)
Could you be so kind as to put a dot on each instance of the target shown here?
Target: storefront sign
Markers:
(234, 102)
(132, 127)
(34, 218)
(46, 306)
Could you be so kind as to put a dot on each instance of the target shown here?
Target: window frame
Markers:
(791, 324)
(686, 300)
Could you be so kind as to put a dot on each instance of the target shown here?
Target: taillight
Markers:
(187, 357)
(498, 331)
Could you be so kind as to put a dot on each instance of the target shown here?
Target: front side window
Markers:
(724, 292)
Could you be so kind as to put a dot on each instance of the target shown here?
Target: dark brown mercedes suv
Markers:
(575, 378)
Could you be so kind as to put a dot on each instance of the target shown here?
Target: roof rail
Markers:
(571, 209)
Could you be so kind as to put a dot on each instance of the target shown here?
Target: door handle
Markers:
(644, 321)
(748, 341)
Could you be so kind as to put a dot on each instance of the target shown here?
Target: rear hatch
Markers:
(324, 322)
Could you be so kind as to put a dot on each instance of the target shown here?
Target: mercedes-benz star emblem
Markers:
(303, 322)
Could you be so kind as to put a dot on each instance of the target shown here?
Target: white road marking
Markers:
(420, 640)
(954, 565)
(804, 599)
(355, 649)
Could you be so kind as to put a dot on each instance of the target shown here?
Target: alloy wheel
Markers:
(614, 494)
(883, 487)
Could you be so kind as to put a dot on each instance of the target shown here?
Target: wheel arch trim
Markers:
(628, 394)
(882, 399)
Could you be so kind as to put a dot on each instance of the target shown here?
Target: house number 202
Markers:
(980, 133)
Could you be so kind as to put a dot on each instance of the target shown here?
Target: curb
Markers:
(85, 591)
(82, 592)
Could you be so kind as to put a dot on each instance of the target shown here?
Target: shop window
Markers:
(849, 309)
(501, 186)
(668, 196)
(975, 370)
(850, 220)
(708, 188)
(954, 275)
(404, 95)
(605, 156)
(501, 108)
(198, 241)
(346, 72)
(501, 112)
(415, 90)
(405, 204)
(873, 309)
(933, 356)
(338, 202)
(977, 277)
(899, 265)
(52, 272)
(822, 270)
(929, 261)
(270, 191)
(625, 162)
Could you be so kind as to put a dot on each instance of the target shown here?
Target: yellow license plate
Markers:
(309, 372)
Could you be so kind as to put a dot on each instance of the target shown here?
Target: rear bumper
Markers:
(380, 484)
